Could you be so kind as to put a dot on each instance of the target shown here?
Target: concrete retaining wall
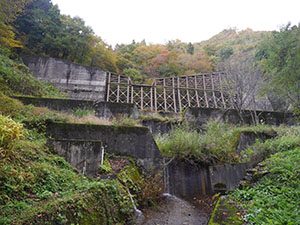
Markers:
(189, 180)
(248, 138)
(79, 82)
(85, 156)
(109, 110)
(226, 177)
(158, 127)
(186, 180)
(199, 116)
(67, 105)
(136, 142)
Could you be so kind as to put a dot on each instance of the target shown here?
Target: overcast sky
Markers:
(157, 21)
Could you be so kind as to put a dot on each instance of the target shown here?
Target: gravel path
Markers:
(175, 211)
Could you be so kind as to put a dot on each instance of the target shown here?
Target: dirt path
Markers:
(175, 211)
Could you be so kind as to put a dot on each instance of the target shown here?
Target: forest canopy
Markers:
(38, 27)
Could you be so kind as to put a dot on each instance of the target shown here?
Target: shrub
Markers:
(220, 141)
(180, 142)
(10, 106)
(9, 131)
(288, 138)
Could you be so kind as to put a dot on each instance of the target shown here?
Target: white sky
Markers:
(157, 21)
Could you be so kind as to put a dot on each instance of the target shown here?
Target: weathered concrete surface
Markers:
(199, 116)
(136, 142)
(85, 156)
(187, 180)
(108, 110)
(158, 127)
(77, 81)
(248, 138)
(227, 176)
(67, 105)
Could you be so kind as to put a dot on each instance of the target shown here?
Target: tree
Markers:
(279, 56)
(103, 57)
(134, 74)
(39, 26)
(76, 40)
(243, 83)
(190, 48)
(8, 13)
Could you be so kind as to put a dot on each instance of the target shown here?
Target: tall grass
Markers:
(219, 141)
(81, 112)
(181, 142)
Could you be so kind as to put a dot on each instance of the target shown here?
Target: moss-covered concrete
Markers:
(59, 104)
(199, 116)
(225, 213)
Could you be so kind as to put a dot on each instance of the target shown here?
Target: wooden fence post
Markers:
(174, 95)
(196, 91)
(118, 89)
(108, 87)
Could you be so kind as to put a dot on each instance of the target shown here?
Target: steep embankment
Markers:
(273, 194)
(39, 187)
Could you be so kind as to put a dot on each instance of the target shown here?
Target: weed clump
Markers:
(9, 131)
(79, 112)
(180, 142)
(124, 121)
(218, 142)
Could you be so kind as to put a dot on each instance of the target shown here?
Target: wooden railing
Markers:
(172, 94)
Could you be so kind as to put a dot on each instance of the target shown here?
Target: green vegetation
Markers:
(60, 36)
(124, 121)
(288, 138)
(8, 13)
(180, 142)
(39, 186)
(225, 212)
(220, 140)
(145, 189)
(275, 197)
(279, 56)
(83, 112)
(10, 131)
(15, 79)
